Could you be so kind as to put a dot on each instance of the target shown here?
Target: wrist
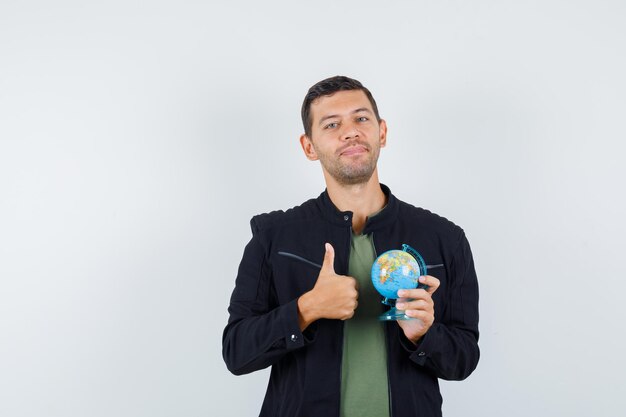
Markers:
(305, 311)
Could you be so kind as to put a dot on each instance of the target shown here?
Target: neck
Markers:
(361, 199)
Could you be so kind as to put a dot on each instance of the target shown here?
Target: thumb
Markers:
(329, 259)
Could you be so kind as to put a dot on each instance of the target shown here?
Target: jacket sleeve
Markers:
(259, 331)
(449, 349)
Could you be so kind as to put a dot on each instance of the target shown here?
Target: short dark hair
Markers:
(328, 87)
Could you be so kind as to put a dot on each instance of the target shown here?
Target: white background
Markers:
(138, 138)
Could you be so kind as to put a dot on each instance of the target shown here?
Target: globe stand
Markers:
(393, 314)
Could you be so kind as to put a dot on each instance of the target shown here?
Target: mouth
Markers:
(354, 150)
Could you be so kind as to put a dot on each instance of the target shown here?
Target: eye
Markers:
(331, 125)
(363, 119)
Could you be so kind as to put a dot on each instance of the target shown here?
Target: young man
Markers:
(317, 326)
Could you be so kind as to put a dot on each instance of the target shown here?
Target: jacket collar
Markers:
(344, 218)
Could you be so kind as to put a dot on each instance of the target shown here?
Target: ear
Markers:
(382, 125)
(307, 147)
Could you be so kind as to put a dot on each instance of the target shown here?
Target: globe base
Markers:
(393, 314)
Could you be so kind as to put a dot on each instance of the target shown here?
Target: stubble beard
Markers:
(351, 174)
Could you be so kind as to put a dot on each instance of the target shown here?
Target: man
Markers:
(317, 326)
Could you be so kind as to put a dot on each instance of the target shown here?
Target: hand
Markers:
(418, 304)
(333, 296)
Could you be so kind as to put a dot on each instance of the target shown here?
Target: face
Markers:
(345, 136)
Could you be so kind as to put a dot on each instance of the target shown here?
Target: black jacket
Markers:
(278, 266)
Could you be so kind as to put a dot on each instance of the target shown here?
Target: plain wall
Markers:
(138, 138)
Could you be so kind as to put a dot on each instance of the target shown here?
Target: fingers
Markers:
(426, 317)
(349, 313)
(430, 281)
(418, 300)
(432, 284)
(329, 259)
(410, 304)
(421, 306)
(335, 296)
(418, 304)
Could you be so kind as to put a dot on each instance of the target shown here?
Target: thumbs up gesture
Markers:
(333, 296)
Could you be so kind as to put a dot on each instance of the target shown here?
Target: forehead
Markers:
(339, 103)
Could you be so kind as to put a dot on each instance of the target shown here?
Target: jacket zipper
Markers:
(385, 330)
(388, 379)
(343, 325)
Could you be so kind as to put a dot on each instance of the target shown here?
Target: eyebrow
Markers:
(330, 116)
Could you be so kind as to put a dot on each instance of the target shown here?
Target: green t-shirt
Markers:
(364, 387)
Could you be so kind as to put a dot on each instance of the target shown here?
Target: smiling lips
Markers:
(354, 150)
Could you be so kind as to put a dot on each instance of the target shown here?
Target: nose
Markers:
(350, 132)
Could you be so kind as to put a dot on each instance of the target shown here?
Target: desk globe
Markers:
(395, 270)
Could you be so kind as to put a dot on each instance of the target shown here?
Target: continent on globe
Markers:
(395, 270)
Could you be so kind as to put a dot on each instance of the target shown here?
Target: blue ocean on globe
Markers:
(395, 270)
